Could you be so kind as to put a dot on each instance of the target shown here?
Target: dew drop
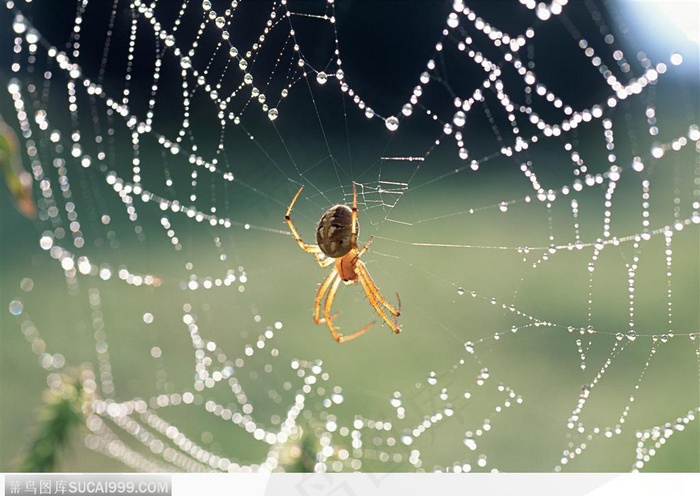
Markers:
(469, 442)
(407, 109)
(657, 151)
(321, 77)
(26, 284)
(631, 335)
(432, 378)
(19, 25)
(694, 132)
(46, 242)
(16, 307)
(452, 20)
(459, 119)
(185, 62)
(272, 114)
(392, 123)
(638, 165)
(460, 291)
(469, 346)
(676, 58)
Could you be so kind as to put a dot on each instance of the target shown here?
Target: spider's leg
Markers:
(328, 289)
(353, 218)
(327, 317)
(297, 238)
(323, 260)
(342, 339)
(320, 257)
(294, 200)
(322, 290)
(365, 278)
(363, 249)
(398, 304)
(376, 299)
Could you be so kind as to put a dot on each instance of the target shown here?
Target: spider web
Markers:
(529, 174)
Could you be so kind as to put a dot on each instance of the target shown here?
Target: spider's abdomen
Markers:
(334, 233)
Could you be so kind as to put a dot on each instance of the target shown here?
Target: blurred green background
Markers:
(541, 364)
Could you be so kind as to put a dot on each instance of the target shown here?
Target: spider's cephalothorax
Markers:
(334, 233)
(336, 236)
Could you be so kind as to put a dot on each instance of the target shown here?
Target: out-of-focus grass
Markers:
(542, 364)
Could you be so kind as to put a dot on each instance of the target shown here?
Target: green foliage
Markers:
(299, 453)
(58, 418)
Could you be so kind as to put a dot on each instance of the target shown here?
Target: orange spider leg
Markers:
(364, 248)
(380, 299)
(320, 257)
(322, 290)
(341, 338)
(376, 299)
(372, 292)
(353, 219)
(364, 275)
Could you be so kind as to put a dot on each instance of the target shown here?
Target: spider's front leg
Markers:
(321, 258)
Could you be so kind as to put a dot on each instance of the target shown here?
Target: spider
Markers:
(336, 236)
